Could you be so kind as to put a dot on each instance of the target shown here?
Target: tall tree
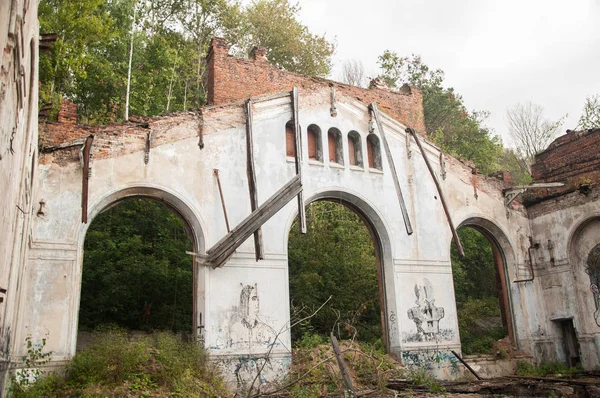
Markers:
(530, 131)
(90, 63)
(590, 116)
(274, 25)
(449, 124)
(353, 72)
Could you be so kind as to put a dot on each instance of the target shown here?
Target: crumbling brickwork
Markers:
(233, 79)
(573, 159)
(112, 140)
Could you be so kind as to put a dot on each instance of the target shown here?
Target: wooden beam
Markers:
(439, 189)
(298, 159)
(258, 240)
(388, 155)
(87, 149)
(342, 366)
(218, 255)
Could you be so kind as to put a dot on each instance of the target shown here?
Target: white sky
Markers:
(494, 53)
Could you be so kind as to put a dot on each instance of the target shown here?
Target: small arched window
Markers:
(290, 139)
(374, 152)
(334, 144)
(354, 149)
(315, 147)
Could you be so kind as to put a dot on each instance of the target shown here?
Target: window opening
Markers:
(290, 139)
(315, 148)
(354, 149)
(374, 152)
(334, 143)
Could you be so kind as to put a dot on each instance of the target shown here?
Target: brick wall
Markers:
(111, 140)
(233, 79)
(574, 159)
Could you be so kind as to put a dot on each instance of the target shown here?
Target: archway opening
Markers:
(338, 257)
(481, 293)
(136, 274)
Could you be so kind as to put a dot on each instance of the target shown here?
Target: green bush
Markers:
(111, 358)
(310, 340)
(183, 368)
(115, 364)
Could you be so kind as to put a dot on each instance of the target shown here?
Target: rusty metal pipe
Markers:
(531, 246)
(439, 189)
(216, 172)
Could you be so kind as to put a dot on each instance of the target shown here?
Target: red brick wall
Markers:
(573, 158)
(233, 79)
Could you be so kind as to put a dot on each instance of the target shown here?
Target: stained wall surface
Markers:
(18, 146)
(566, 227)
(241, 310)
(416, 268)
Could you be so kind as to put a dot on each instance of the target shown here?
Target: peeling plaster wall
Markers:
(18, 146)
(243, 307)
(566, 236)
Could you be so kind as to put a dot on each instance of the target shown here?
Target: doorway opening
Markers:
(481, 294)
(136, 274)
(338, 257)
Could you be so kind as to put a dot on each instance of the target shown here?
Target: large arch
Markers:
(583, 238)
(504, 259)
(192, 224)
(383, 252)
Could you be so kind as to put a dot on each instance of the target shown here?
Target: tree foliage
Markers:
(449, 124)
(590, 116)
(476, 288)
(274, 24)
(335, 258)
(89, 61)
(530, 131)
(135, 270)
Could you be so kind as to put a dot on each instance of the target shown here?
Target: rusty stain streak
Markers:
(85, 178)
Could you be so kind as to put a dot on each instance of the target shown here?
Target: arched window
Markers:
(354, 149)
(315, 147)
(334, 143)
(374, 152)
(290, 139)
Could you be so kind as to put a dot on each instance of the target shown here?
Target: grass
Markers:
(114, 365)
(549, 368)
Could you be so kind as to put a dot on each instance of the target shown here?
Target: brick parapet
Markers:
(573, 159)
(231, 79)
(115, 139)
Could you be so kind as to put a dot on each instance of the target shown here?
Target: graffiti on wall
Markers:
(426, 316)
(593, 270)
(246, 328)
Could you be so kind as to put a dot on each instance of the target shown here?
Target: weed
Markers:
(421, 377)
(524, 368)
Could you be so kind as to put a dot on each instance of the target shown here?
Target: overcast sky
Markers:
(494, 53)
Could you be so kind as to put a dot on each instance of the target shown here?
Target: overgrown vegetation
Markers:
(525, 368)
(89, 62)
(335, 258)
(476, 290)
(135, 270)
(115, 365)
(315, 371)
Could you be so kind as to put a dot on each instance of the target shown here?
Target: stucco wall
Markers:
(181, 174)
(18, 145)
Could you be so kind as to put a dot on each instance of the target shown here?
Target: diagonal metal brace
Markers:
(388, 155)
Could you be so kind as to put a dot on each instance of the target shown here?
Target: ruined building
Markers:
(281, 141)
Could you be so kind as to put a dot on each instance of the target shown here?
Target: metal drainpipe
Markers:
(531, 246)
